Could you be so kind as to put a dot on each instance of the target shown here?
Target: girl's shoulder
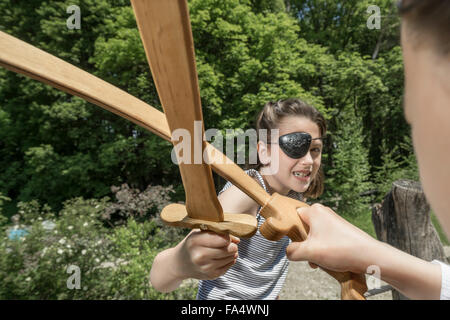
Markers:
(252, 173)
(233, 200)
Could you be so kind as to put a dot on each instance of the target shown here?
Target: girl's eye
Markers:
(316, 150)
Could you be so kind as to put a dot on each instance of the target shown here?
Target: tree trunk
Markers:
(403, 220)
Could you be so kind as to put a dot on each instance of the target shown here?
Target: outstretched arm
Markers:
(201, 255)
(336, 244)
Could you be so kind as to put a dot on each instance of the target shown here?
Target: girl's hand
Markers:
(332, 242)
(206, 255)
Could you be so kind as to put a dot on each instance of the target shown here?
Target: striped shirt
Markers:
(261, 268)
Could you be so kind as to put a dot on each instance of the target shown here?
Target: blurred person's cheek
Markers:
(427, 109)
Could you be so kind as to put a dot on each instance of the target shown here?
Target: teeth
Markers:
(300, 174)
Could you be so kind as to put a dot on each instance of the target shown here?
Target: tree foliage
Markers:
(54, 147)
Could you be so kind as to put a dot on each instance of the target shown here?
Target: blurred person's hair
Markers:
(429, 22)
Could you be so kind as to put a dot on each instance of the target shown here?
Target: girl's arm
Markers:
(336, 244)
(201, 255)
(165, 275)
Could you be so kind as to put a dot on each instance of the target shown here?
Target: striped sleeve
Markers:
(252, 173)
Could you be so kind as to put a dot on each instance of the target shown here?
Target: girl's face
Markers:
(284, 173)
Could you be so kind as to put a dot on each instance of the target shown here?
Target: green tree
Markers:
(398, 163)
(350, 167)
(55, 146)
(342, 25)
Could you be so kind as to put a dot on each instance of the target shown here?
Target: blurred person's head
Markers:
(426, 52)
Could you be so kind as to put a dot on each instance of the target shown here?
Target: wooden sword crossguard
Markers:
(167, 37)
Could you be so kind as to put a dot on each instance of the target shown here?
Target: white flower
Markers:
(83, 252)
(60, 251)
(62, 241)
(28, 279)
(85, 224)
(48, 225)
(44, 252)
(68, 246)
(70, 227)
(56, 231)
(97, 260)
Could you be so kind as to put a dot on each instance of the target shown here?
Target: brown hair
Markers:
(429, 20)
(274, 112)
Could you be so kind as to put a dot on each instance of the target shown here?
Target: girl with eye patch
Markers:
(289, 163)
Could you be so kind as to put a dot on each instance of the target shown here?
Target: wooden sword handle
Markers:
(282, 219)
(240, 225)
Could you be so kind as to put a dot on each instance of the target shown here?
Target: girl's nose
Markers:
(307, 159)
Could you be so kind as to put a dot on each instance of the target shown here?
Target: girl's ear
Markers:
(263, 153)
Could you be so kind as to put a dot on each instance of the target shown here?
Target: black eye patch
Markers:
(295, 144)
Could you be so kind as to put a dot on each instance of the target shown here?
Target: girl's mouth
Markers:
(303, 176)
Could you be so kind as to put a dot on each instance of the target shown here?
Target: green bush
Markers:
(114, 263)
(348, 175)
(397, 163)
(134, 203)
(3, 219)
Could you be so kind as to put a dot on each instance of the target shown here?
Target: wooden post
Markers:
(403, 220)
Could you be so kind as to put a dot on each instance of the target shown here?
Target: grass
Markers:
(362, 221)
(440, 231)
